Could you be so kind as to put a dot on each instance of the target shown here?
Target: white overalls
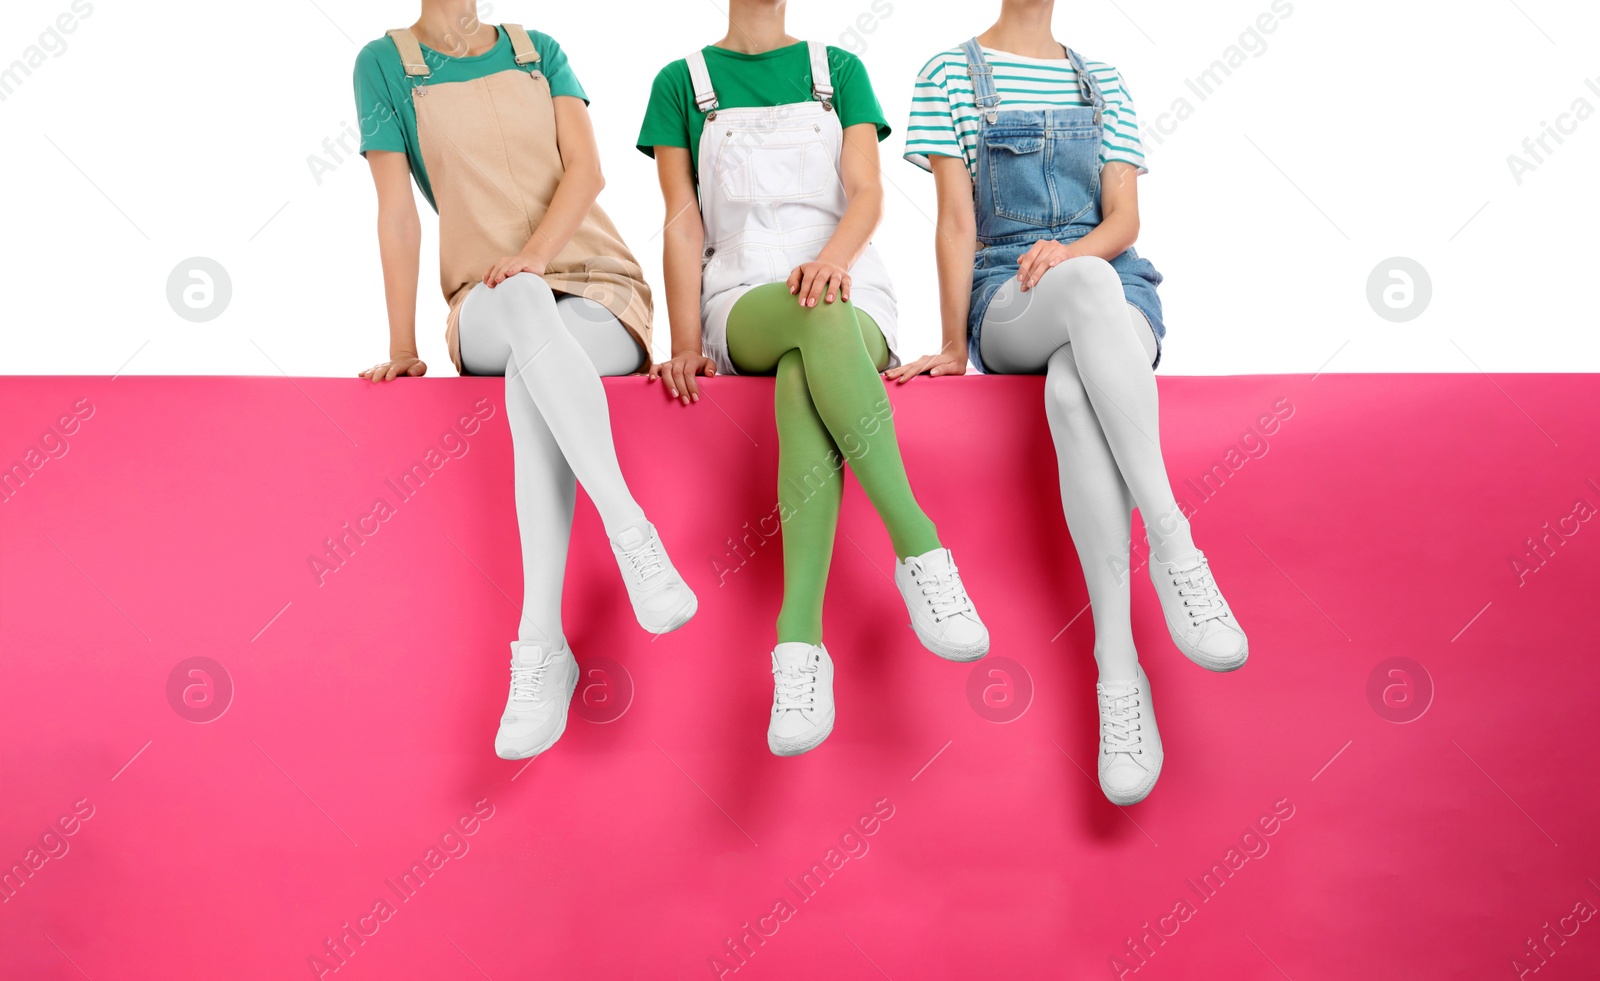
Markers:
(770, 199)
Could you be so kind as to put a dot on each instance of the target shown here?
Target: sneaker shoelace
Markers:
(795, 689)
(647, 560)
(1119, 728)
(527, 680)
(944, 594)
(1196, 583)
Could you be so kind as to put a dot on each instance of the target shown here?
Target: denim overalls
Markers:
(1039, 178)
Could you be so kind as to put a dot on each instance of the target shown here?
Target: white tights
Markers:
(1095, 349)
(552, 352)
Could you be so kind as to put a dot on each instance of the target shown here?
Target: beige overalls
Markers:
(489, 146)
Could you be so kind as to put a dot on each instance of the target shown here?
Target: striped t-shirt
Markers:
(944, 113)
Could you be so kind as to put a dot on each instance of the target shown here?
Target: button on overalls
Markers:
(489, 146)
(1039, 178)
(770, 198)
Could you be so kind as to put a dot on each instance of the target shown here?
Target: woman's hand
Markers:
(679, 374)
(1045, 255)
(406, 365)
(933, 364)
(513, 264)
(811, 280)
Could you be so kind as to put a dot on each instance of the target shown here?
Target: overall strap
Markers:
(1087, 85)
(521, 44)
(410, 52)
(986, 99)
(705, 97)
(821, 76)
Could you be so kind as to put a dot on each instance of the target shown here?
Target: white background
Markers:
(1363, 130)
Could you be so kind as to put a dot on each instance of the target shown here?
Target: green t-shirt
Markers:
(772, 78)
(383, 93)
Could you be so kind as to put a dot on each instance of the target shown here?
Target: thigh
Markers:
(1019, 335)
(762, 328)
(609, 345)
(765, 322)
(1019, 332)
(872, 336)
(1145, 333)
(484, 336)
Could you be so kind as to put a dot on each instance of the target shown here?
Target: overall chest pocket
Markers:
(772, 165)
(1019, 176)
(1075, 170)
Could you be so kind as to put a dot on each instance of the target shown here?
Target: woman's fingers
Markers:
(1046, 258)
(819, 285)
(688, 387)
(680, 382)
(1024, 263)
(906, 372)
(808, 276)
(794, 279)
(844, 287)
(1050, 258)
(1029, 264)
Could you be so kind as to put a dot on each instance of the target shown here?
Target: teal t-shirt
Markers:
(388, 120)
(772, 78)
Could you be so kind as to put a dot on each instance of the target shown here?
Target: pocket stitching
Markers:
(1038, 146)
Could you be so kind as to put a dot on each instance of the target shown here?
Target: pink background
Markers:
(1380, 521)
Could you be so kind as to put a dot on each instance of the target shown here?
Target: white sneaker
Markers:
(941, 613)
(802, 698)
(1130, 745)
(662, 601)
(1199, 619)
(542, 682)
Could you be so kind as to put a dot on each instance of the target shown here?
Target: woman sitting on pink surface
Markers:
(494, 128)
(1036, 152)
(767, 152)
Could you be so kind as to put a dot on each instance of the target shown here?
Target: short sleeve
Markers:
(375, 107)
(666, 116)
(1121, 138)
(555, 67)
(931, 127)
(853, 96)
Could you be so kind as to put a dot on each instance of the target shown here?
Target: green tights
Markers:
(828, 396)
